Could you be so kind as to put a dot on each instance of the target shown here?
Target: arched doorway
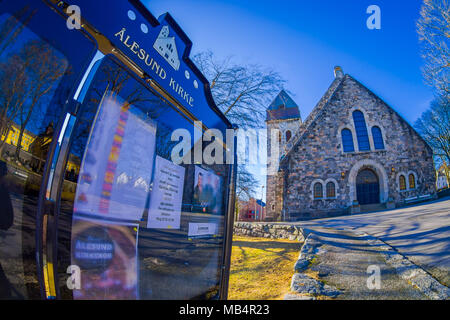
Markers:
(367, 187)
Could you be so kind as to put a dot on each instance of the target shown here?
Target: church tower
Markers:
(284, 116)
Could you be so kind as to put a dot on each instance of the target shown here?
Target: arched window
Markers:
(331, 190)
(318, 191)
(288, 135)
(412, 181)
(347, 141)
(402, 182)
(377, 138)
(361, 131)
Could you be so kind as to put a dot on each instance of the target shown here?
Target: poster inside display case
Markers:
(106, 255)
(207, 195)
(115, 183)
(166, 195)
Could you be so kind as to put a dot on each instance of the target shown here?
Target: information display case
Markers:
(98, 199)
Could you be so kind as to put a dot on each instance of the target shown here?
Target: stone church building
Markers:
(352, 154)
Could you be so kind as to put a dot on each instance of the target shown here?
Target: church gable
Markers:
(334, 117)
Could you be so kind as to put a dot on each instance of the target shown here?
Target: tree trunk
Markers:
(22, 128)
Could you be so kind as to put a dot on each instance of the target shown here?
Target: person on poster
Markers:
(208, 195)
(198, 190)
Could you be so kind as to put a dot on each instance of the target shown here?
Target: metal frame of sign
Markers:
(115, 41)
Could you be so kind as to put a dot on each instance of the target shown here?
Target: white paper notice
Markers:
(167, 195)
(202, 229)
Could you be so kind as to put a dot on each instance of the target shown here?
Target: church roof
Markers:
(283, 108)
(314, 115)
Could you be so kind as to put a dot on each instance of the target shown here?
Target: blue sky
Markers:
(303, 40)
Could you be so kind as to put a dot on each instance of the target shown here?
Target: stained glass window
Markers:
(318, 190)
(412, 181)
(377, 138)
(331, 190)
(361, 131)
(402, 182)
(347, 141)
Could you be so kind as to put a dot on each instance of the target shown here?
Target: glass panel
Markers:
(377, 138)
(347, 141)
(36, 76)
(30, 72)
(133, 224)
(361, 131)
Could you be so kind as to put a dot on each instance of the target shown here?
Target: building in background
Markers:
(12, 137)
(252, 210)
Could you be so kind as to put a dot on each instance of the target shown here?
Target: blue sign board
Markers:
(160, 48)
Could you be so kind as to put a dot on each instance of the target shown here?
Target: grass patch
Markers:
(261, 269)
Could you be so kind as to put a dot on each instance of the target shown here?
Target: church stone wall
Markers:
(319, 156)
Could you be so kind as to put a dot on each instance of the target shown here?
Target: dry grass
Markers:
(261, 269)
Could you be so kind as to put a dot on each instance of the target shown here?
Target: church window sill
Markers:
(364, 152)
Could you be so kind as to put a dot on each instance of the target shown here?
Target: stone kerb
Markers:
(269, 230)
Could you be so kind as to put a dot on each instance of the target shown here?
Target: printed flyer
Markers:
(166, 196)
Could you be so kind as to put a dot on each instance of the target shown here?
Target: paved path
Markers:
(420, 232)
(343, 262)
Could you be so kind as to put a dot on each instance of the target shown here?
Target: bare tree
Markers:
(247, 182)
(242, 92)
(434, 126)
(433, 28)
(43, 68)
(13, 94)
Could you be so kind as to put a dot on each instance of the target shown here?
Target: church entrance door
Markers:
(367, 187)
